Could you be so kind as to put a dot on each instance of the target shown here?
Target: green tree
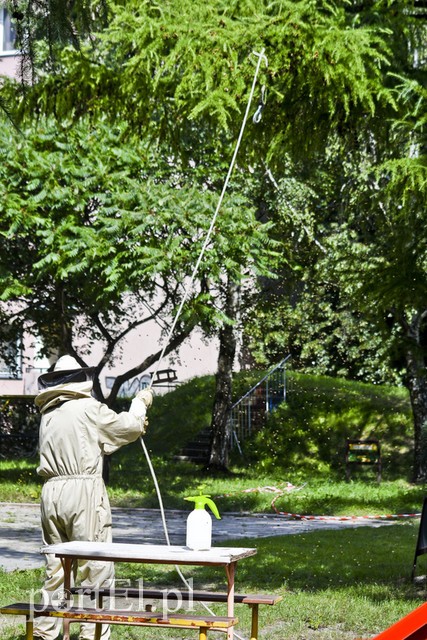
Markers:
(179, 75)
(95, 243)
(182, 71)
(358, 308)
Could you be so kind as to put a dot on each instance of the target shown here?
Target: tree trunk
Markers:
(416, 383)
(220, 425)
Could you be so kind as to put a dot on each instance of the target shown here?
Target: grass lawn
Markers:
(336, 584)
(246, 490)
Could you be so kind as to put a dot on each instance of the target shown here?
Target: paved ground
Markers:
(20, 539)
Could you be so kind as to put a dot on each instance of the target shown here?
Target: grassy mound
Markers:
(303, 443)
(307, 434)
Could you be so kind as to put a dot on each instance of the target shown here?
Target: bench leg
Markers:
(98, 631)
(230, 571)
(29, 629)
(254, 623)
(203, 633)
(67, 565)
(66, 629)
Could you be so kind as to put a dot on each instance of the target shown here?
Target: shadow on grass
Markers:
(20, 471)
(375, 561)
(321, 560)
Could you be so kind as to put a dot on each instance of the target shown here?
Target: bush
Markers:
(19, 426)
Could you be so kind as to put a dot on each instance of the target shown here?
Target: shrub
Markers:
(19, 426)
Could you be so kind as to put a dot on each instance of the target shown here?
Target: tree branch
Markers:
(148, 362)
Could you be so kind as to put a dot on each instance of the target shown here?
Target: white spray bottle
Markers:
(199, 523)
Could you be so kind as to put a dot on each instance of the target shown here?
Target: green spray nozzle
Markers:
(201, 501)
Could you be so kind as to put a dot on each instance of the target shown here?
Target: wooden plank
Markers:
(120, 617)
(176, 594)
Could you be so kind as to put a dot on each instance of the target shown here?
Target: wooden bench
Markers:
(173, 596)
(363, 452)
(131, 618)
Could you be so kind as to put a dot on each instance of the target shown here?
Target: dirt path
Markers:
(20, 534)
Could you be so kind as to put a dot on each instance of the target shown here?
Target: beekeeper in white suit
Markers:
(76, 431)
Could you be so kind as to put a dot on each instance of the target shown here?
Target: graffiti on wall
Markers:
(131, 387)
(165, 377)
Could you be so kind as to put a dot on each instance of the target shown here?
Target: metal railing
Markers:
(248, 414)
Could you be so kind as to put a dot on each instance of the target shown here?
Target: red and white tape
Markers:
(289, 487)
(298, 516)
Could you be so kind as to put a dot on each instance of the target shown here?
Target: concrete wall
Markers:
(196, 357)
(9, 65)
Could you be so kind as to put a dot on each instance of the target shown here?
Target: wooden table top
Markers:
(149, 553)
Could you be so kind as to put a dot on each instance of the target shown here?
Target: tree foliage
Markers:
(341, 148)
(57, 24)
(358, 307)
(173, 70)
(95, 243)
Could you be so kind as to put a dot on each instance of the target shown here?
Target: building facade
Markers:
(9, 56)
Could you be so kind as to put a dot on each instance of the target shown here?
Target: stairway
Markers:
(197, 450)
(247, 415)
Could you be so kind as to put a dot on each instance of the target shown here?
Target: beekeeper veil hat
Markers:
(66, 370)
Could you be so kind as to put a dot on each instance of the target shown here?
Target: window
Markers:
(11, 363)
(7, 34)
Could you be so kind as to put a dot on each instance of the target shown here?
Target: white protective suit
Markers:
(75, 432)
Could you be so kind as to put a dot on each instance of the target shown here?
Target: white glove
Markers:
(146, 395)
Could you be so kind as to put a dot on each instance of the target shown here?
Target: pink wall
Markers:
(9, 65)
